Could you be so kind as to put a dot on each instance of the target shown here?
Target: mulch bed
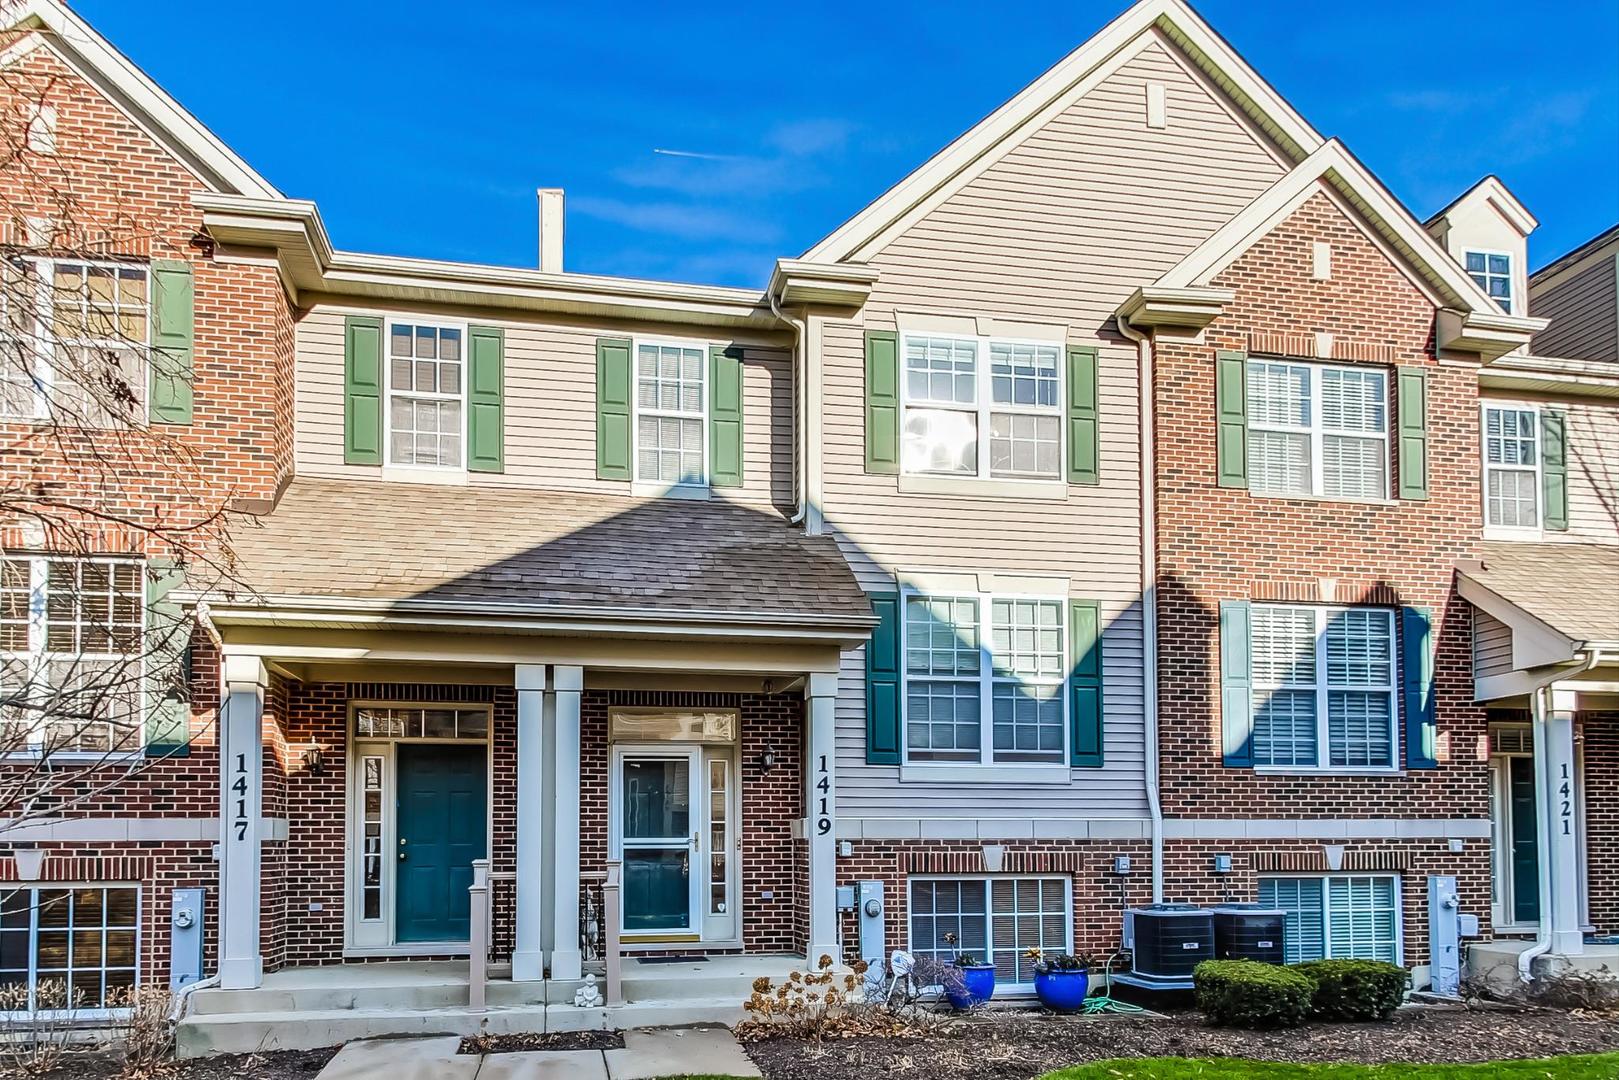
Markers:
(561, 1040)
(275, 1065)
(1013, 1047)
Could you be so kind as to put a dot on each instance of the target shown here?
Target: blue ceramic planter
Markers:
(977, 986)
(1062, 991)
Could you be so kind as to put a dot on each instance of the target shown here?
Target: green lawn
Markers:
(1583, 1067)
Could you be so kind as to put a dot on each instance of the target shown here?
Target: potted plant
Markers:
(1061, 981)
(975, 981)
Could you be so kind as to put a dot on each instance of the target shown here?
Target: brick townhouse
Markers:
(690, 605)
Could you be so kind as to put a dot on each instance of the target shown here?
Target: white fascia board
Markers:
(1066, 81)
(1551, 375)
(1535, 642)
(138, 95)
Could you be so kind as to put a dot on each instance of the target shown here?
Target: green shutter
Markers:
(1416, 683)
(486, 411)
(882, 401)
(1085, 685)
(724, 417)
(1231, 417)
(882, 682)
(1083, 457)
(1413, 408)
(613, 384)
(1236, 685)
(362, 390)
(168, 639)
(173, 341)
(1554, 469)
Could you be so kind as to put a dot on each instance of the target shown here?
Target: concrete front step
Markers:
(449, 994)
(202, 1034)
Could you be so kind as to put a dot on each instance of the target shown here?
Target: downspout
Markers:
(1543, 820)
(1149, 598)
(800, 378)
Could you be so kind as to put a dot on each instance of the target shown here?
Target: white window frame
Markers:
(404, 468)
(1326, 903)
(1511, 275)
(39, 655)
(99, 1013)
(986, 768)
(1317, 431)
(1486, 467)
(984, 405)
(1323, 746)
(41, 342)
(686, 489)
(1067, 889)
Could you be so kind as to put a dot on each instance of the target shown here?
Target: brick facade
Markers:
(1599, 738)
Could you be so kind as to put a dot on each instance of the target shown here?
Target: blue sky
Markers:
(425, 134)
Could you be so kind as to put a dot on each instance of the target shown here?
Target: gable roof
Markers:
(994, 136)
(50, 23)
(1500, 196)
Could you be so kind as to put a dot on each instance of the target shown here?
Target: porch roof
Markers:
(481, 549)
(1572, 588)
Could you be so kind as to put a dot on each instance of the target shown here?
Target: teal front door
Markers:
(657, 825)
(1525, 840)
(443, 825)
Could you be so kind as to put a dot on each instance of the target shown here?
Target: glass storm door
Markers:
(659, 807)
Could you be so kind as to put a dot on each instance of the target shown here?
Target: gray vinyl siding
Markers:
(1492, 645)
(1060, 230)
(1584, 310)
(550, 405)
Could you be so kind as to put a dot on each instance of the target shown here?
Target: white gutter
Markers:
(800, 392)
(1149, 599)
(1544, 782)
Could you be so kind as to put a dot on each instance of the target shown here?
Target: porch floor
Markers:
(1496, 962)
(304, 1008)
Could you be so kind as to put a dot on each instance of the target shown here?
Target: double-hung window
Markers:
(74, 335)
(1323, 687)
(1493, 272)
(1337, 916)
(69, 949)
(426, 395)
(957, 389)
(1317, 430)
(1512, 466)
(71, 664)
(671, 413)
(998, 919)
(984, 678)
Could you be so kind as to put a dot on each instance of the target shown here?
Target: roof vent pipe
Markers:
(550, 230)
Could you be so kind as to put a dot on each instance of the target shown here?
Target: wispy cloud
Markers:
(789, 160)
(684, 220)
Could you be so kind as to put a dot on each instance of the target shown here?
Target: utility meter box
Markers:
(185, 937)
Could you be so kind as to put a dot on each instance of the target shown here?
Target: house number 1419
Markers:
(823, 796)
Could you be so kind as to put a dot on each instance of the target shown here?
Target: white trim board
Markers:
(1326, 829)
(992, 828)
(101, 830)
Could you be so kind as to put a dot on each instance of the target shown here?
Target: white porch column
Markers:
(820, 826)
(528, 954)
(241, 809)
(566, 962)
(1563, 852)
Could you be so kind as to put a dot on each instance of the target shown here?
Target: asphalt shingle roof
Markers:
(1572, 587)
(475, 545)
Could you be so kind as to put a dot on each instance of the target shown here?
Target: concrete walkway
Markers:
(646, 1055)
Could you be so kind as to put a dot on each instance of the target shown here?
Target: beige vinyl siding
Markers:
(1584, 310)
(550, 405)
(1492, 645)
(1593, 473)
(1060, 230)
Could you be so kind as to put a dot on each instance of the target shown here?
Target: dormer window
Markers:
(1493, 272)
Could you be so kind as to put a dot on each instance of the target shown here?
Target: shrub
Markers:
(1356, 989)
(1245, 993)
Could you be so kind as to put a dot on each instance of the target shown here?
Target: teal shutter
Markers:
(724, 417)
(1413, 408)
(1416, 688)
(1304, 936)
(1231, 418)
(1554, 469)
(613, 383)
(362, 390)
(882, 401)
(1236, 685)
(882, 682)
(1083, 452)
(1085, 685)
(168, 640)
(173, 342)
(486, 410)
